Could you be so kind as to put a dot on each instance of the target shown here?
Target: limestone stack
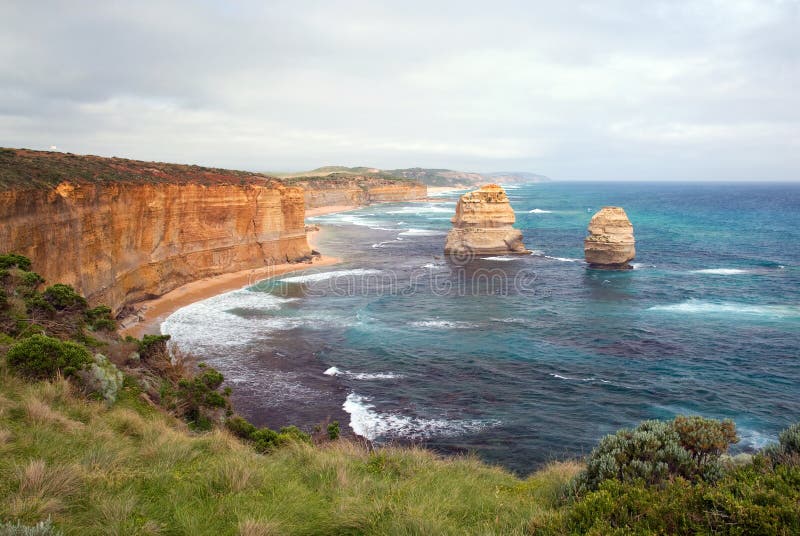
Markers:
(483, 225)
(610, 243)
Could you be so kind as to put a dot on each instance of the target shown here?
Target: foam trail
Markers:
(503, 258)
(563, 259)
(313, 278)
(720, 271)
(694, 306)
(335, 371)
(422, 232)
(540, 211)
(443, 324)
(367, 422)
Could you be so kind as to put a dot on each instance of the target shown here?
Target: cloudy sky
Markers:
(574, 90)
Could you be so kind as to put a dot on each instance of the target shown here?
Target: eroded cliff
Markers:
(121, 231)
(356, 190)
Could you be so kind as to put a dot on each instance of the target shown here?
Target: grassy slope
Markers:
(130, 469)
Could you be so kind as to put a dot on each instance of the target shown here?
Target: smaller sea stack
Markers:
(483, 225)
(610, 244)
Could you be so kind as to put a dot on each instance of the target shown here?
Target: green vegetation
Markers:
(39, 356)
(140, 439)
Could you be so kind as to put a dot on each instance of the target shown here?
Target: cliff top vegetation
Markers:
(25, 168)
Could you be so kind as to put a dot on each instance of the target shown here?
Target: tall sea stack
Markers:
(483, 225)
(610, 244)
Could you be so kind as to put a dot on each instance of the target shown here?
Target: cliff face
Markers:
(610, 243)
(357, 190)
(483, 225)
(122, 242)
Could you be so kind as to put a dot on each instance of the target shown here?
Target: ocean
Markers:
(525, 359)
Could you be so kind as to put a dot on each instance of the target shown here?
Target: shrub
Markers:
(656, 451)
(99, 318)
(705, 438)
(63, 296)
(42, 528)
(240, 427)
(102, 378)
(153, 345)
(789, 440)
(31, 279)
(3, 299)
(42, 357)
(9, 260)
(264, 439)
(197, 394)
(333, 431)
(35, 301)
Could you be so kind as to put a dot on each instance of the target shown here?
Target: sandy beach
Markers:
(321, 211)
(150, 314)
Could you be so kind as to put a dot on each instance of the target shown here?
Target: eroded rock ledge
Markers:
(483, 225)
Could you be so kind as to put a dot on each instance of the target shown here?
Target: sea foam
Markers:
(540, 211)
(422, 232)
(335, 371)
(443, 324)
(720, 271)
(367, 422)
(694, 306)
(323, 276)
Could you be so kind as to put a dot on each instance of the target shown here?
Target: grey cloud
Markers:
(592, 90)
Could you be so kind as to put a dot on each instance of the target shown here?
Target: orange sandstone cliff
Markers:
(121, 231)
(357, 190)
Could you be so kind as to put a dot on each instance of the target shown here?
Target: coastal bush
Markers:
(62, 296)
(752, 499)
(42, 528)
(333, 431)
(655, 451)
(11, 260)
(240, 427)
(153, 345)
(102, 378)
(789, 440)
(35, 303)
(31, 280)
(99, 318)
(3, 299)
(42, 357)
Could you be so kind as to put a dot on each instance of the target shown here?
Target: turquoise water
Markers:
(526, 359)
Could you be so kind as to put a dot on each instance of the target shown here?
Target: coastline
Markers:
(149, 314)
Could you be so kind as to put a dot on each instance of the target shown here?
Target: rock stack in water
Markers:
(610, 243)
(483, 225)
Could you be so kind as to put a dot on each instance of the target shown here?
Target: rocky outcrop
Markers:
(353, 190)
(151, 229)
(483, 225)
(610, 243)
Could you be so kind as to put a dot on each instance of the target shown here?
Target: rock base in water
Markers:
(610, 244)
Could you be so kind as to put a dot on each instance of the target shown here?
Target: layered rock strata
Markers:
(357, 191)
(483, 223)
(610, 244)
(149, 229)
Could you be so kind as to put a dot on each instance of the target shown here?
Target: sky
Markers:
(597, 90)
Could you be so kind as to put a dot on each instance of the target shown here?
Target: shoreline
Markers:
(151, 313)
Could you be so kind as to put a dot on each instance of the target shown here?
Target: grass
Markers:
(131, 469)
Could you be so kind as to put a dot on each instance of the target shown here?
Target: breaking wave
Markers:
(369, 423)
(314, 278)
